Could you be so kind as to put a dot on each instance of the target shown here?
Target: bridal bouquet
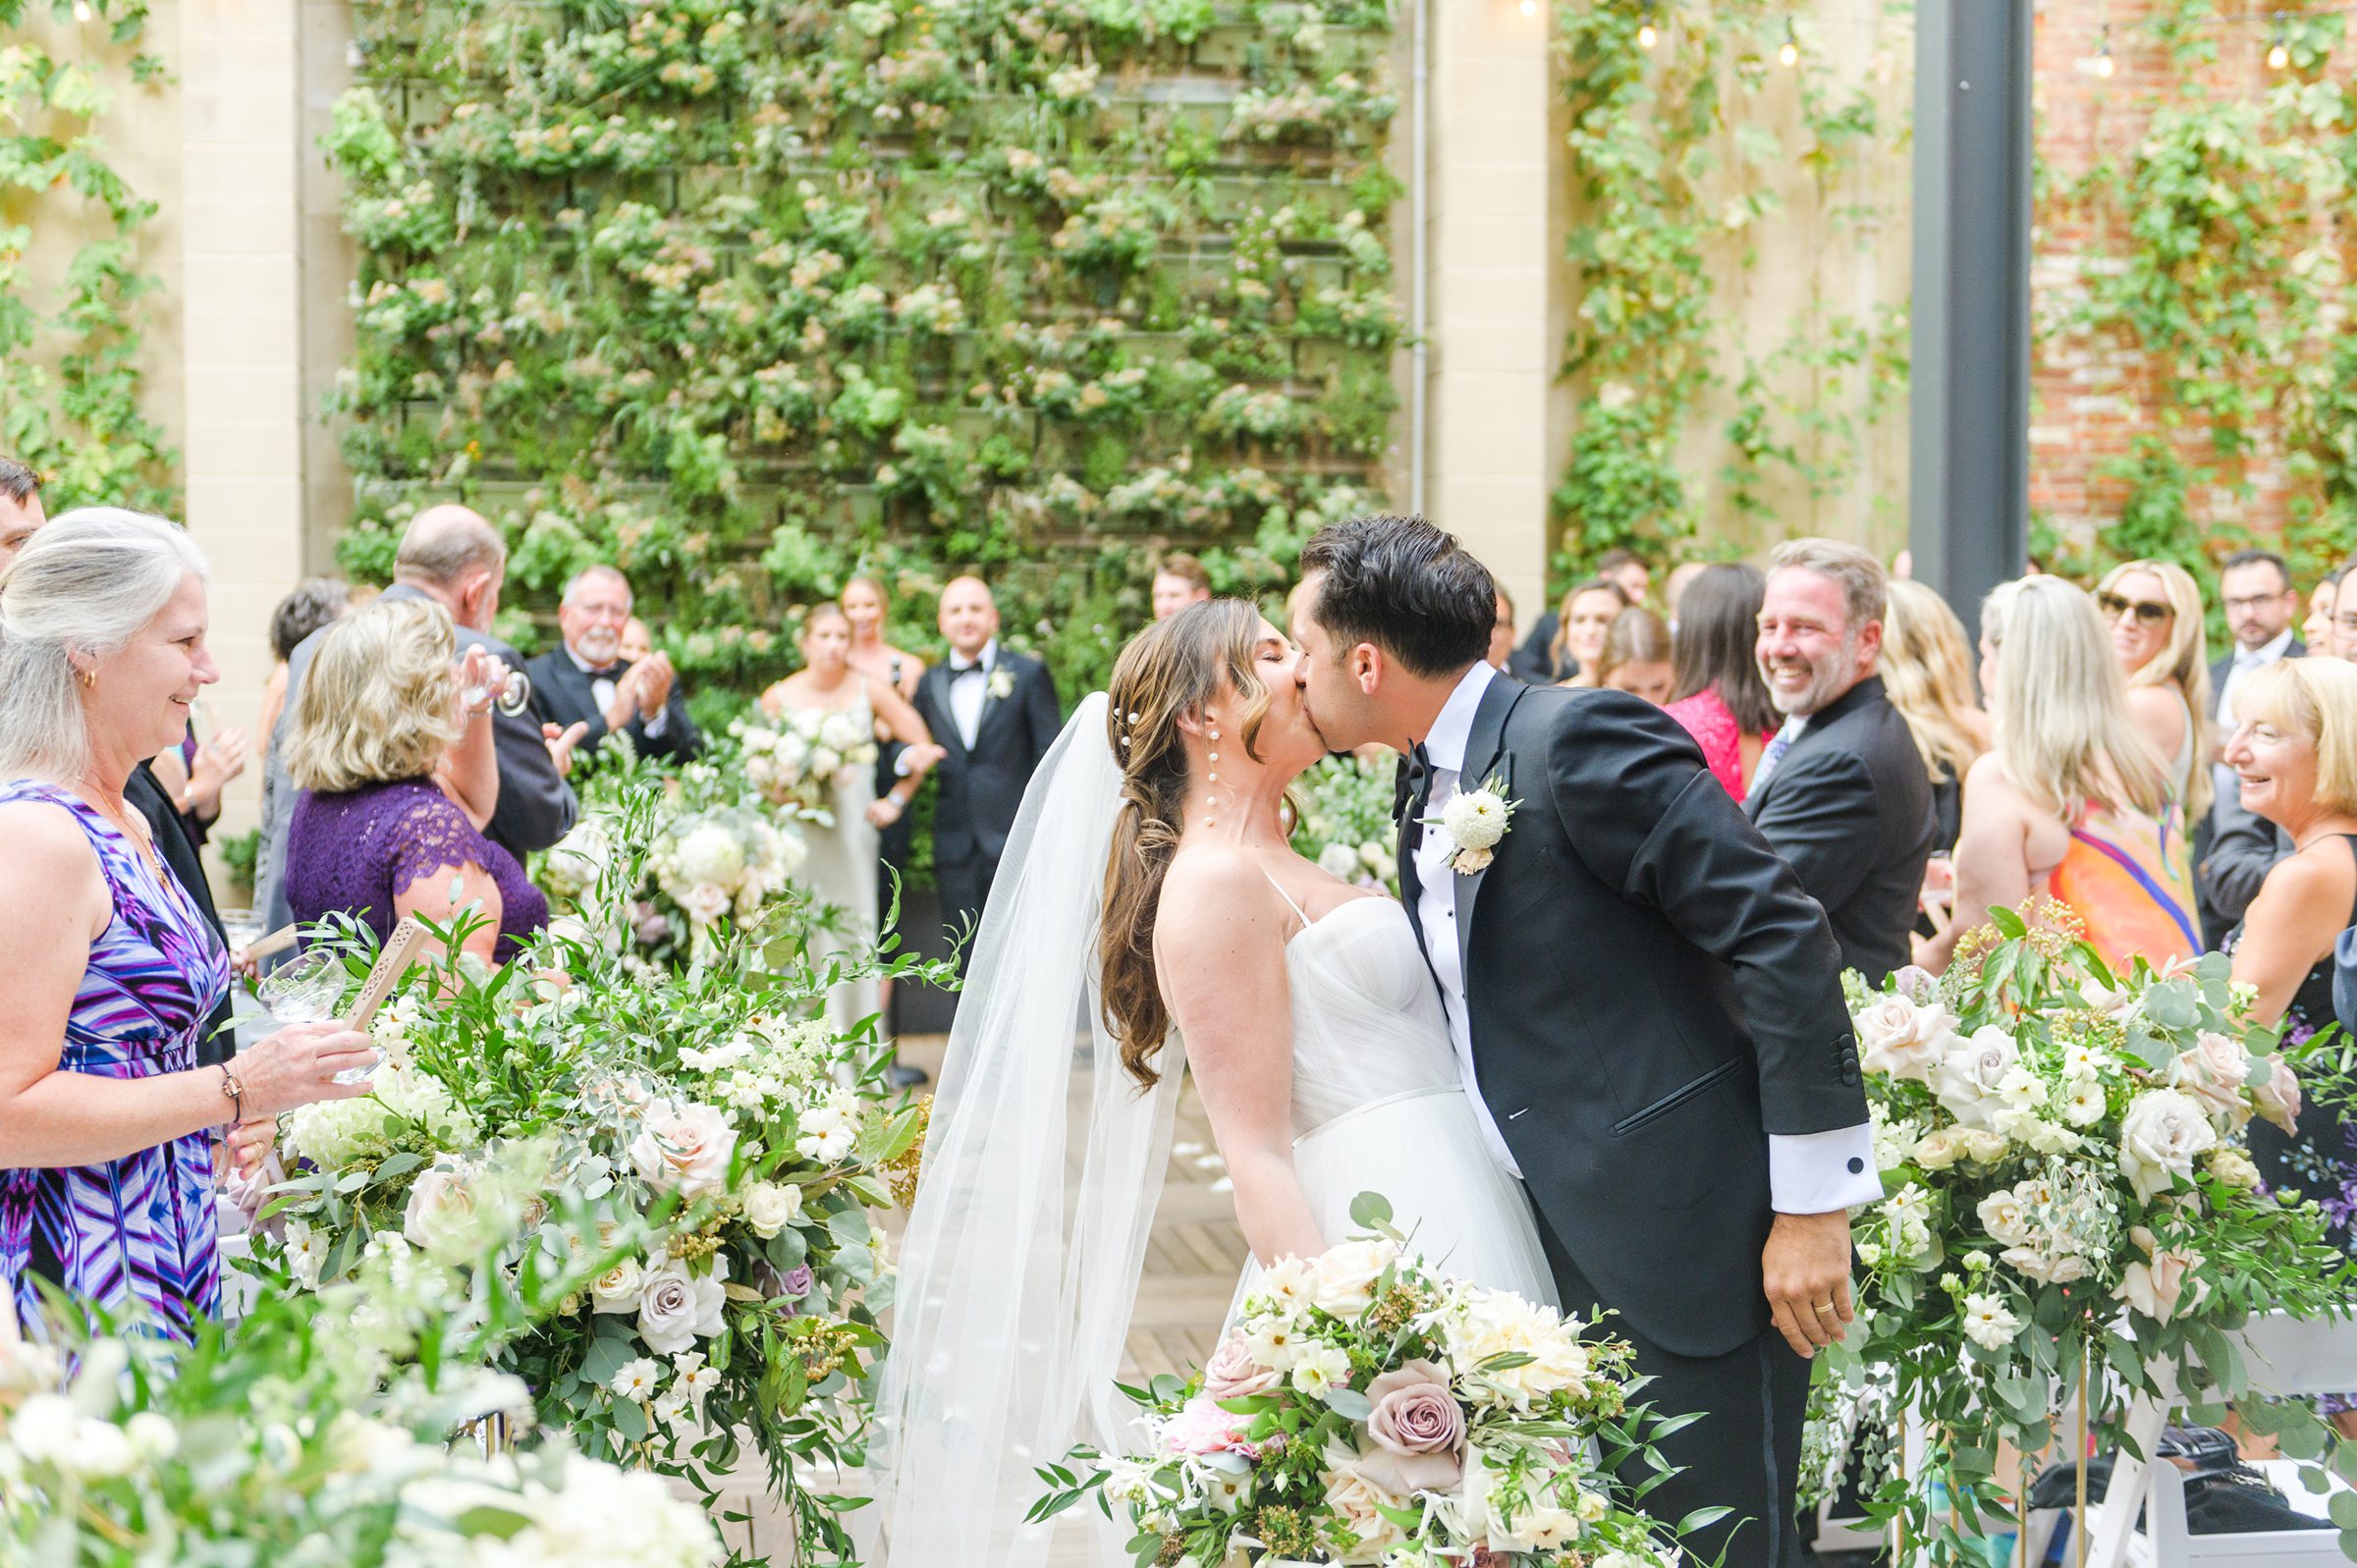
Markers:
(2069, 1203)
(711, 1148)
(726, 861)
(297, 1436)
(1367, 1409)
(793, 757)
(1344, 821)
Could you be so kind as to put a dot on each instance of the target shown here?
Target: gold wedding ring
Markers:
(1824, 1309)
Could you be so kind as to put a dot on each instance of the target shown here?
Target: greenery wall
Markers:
(69, 380)
(746, 296)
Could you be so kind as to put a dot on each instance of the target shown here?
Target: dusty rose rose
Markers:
(684, 1148)
(1916, 983)
(2278, 1098)
(1418, 1430)
(1232, 1374)
(2212, 1072)
(2158, 1288)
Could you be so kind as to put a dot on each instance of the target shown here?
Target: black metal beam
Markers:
(1969, 486)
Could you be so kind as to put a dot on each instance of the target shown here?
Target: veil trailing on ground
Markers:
(1014, 1300)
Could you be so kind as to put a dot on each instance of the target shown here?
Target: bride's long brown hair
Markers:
(1169, 670)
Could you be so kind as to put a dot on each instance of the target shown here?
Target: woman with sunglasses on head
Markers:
(2154, 611)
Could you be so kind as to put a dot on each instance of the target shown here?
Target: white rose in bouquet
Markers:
(770, 1206)
(1903, 1040)
(2006, 1219)
(685, 1149)
(2234, 1167)
(1359, 1503)
(1348, 1271)
(441, 1217)
(2158, 1288)
(676, 1307)
(711, 854)
(617, 1290)
(1969, 1072)
(2164, 1131)
(706, 903)
(2212, 1072)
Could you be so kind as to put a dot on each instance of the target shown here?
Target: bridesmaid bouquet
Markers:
(1367, 1409)
(793, 759)
(723, 862)
(2069, 1203)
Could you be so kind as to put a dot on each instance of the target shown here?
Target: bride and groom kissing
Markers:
(1597, 1053)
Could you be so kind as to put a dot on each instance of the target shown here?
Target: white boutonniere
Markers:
(1002, 685)
(1475, 819)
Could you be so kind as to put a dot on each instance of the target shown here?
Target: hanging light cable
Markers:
(1789, 53)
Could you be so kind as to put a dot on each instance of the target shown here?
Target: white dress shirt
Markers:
(1808, 1173)
(968, 691)
(2247, 661)
(602, 688)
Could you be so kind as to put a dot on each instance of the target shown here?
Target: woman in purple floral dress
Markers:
(107, 1123)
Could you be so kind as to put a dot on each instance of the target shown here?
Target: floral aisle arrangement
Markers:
(1344, 821)
(1368, 1409)
(794, 756)
(316, 1432)
(725, 1150)
(2069, 1205)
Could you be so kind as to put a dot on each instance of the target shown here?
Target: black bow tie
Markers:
(957, 669)
(606, 673)
(1415, 771)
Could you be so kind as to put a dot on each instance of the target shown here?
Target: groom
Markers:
(1646, 1007)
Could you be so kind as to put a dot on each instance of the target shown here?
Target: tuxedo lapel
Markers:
(1485, 758)
(945, 730)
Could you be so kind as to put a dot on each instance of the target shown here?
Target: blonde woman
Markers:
(1927, 674)
(2071, 802)
(397, 777)
(1636, 656)
(2154, 610)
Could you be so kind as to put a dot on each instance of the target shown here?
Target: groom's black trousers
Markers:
(1744, 1454)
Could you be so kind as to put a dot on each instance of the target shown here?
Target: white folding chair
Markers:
(2289, 1358)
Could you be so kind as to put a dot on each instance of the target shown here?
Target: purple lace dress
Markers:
(352, 854)
(138, 1231)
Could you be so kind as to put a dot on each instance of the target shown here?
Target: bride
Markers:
(1149, 895)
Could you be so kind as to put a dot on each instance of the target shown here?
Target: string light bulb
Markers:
(1647, 33)
(2278, 53)
(1530, 8)
(1789, 51)
(82, 11)
(2103, 64)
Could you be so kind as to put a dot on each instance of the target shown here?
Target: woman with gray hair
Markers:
(106, 1122)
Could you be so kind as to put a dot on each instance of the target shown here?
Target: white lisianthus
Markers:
(2162, 1133)
(770, 1206)
(826, 1136)
(1345, 1274)
(2021, 1088)
(2083, 1060)
(1968, 1074)
(305, 1253)
(2084, 1102)
(1322, 1369)
(1988, 1321)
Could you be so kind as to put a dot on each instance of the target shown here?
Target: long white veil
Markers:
(1014, 1302)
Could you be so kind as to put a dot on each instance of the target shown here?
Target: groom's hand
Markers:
(1805, 1268)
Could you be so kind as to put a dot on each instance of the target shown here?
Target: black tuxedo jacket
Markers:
(562, 695)
(1849, 808)
(1651, 995)
(980, 787)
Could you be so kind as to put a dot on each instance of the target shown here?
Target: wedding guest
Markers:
(1927, 674)
(2316, 630)
(1718, 694)
(638, 642)
(2071, 801)
(1673, 589)
(451, 556)
(2154, 611)
(107, 1120)
(1626, 570)
(864, 603)
(20, 512)
(2261, 603)
(1502, 632)
(1179, 581)
(1588, 613)
(1840, 792)
(842, 865)
(397, 782)
(994, 714)
(313, 604)
(586, 680)
(2294, 755)
(1636, 656)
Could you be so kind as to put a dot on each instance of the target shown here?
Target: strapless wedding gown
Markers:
(1378, 1105)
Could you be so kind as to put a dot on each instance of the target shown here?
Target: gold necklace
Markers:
(138, 836)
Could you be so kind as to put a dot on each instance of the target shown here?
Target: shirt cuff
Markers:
(655, 726)
(1818, 1173)
(899, 765)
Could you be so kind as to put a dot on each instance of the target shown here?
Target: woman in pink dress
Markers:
(1719, 696)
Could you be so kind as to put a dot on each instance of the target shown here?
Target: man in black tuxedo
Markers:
(2233, 849)
(995, 713)
(587, 681)
(1842, 792)
(1646, 1007)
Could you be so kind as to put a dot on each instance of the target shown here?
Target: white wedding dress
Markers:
(1378, 1105)
(1024, 1251)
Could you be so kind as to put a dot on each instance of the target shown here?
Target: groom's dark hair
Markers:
(1407, 587)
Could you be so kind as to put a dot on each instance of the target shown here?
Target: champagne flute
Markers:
(310, 989)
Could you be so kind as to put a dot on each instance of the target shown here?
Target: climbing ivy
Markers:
(71, 393)
(746, 296)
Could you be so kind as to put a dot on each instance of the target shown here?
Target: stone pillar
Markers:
(243, 373)
(1486, 267)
